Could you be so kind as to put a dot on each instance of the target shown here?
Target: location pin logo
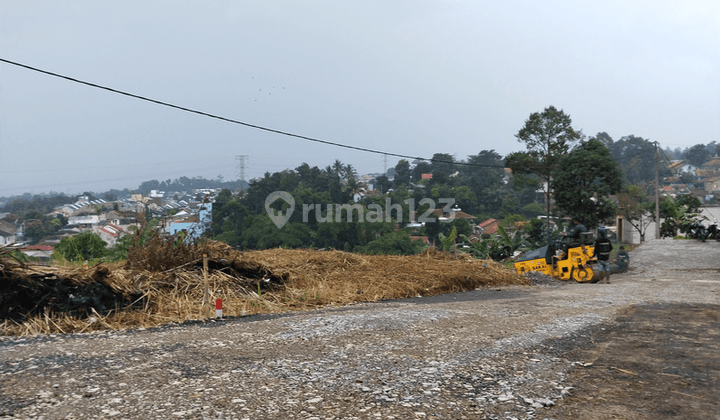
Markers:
(279, 219)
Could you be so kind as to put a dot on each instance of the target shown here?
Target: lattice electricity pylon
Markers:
(242, 159)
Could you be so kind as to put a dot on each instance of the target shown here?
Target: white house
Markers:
(85, 219)
(8, 233)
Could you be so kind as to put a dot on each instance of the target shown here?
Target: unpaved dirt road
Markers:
(646, 346)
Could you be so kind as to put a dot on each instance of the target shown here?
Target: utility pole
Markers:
(241, 171)
(657, 196)
(384, 164)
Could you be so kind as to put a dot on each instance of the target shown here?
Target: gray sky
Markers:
(409, 77)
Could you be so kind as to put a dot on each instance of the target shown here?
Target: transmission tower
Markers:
(242, 160)
(384, 164)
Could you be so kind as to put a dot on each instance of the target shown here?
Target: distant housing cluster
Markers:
(703, 182)
(111, 220)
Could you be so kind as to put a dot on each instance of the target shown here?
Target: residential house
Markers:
(453, 214)
(711, 185)
(706, 173)
(677, 166)
(713, 163)
(42, 252)
(84, 220)
(55, 239)
(130, 205)
(680, 166)
(423, 239)
(489, 226)
(109, 233)
(8, 233)
(112, 217)
(194, 225)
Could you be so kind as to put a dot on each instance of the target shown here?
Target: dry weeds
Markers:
(163, 282)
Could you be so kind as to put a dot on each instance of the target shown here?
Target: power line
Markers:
(233, 121)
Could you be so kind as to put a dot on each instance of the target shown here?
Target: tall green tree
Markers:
(443, 165)
(636, 157)
(697, 155)
(83, 246)
(485, 178)
(587, 176)
(548, 137)
(421, 167)
(402, 173)
(262, 233)
(383, 184)
(229, 221)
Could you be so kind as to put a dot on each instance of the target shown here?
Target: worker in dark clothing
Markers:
(623, 259)
(572, 238)
(603, 246)
(575, 230)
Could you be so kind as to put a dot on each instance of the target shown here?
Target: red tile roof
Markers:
(39, 248)
(487, 222)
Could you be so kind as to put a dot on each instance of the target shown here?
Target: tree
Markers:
(605, 139)
(586, 177)
(383, 184)
(263, 234)
(635, 208)
(229, 221)
(714, 148)
(443, 165)
(421, 167)
(677, 215)
(119, 252)
(447, 243)
(402, 173)
(548, 137)
(343, 235)
(636, 157)
(485, 178)
(697, 155)
(393, 243)
(83, 246)
(693, 203)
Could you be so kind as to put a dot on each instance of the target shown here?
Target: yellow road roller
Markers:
(577, 265)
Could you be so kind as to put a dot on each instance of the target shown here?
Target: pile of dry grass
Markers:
(163, 282)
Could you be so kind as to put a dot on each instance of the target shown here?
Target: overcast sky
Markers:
(408, 77)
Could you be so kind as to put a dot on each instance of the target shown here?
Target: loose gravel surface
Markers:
(538, 352)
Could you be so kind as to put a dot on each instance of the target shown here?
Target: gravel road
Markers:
(486, 354)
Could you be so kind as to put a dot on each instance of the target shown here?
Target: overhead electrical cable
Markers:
(233, 121)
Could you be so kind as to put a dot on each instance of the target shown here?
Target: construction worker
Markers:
(603, 246)
(623, 259)
(572, 238)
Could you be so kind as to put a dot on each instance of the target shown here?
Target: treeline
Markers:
(185, 184)
(377, 219)
(41, 204)
(695, 155)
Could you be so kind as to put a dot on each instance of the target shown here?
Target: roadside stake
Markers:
(218, 308)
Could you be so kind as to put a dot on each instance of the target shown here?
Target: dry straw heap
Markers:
(164, 281)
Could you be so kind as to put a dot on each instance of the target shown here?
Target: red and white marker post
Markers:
(218, 308)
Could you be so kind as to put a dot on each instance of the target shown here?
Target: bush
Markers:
(395, 243)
